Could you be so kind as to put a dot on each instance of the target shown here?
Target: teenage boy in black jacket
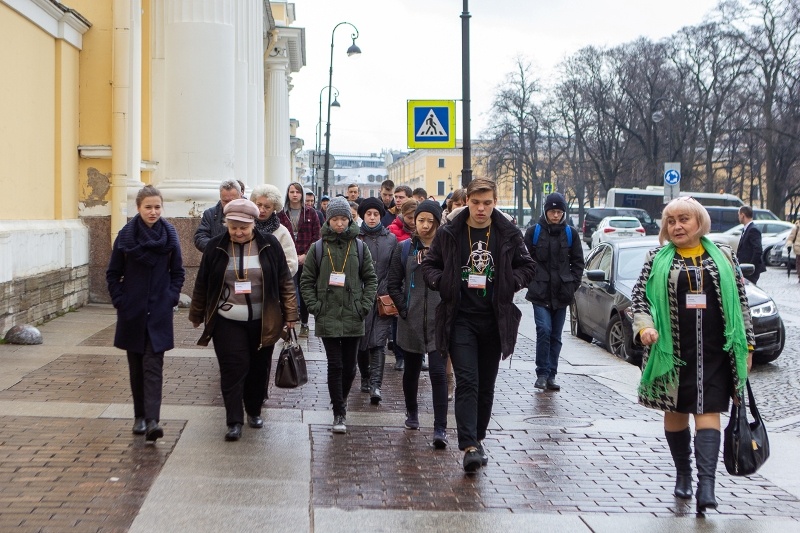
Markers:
(559, 261)
(477, 262)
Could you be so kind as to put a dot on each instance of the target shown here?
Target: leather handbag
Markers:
(746, 445)
(291, 371)
(386, 306)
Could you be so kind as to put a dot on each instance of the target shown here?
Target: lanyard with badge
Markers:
(241, 285)
(477, 278)
(337, 277)
(695, 298)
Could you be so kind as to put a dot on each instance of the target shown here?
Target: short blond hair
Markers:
(684, 205)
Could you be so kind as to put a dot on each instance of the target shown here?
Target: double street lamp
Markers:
(351, 51)
(317, 152)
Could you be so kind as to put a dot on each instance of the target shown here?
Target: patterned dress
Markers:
(707, 378)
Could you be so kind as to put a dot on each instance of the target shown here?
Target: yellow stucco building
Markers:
(99, 97)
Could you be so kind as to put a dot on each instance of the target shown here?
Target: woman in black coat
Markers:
(145, 276)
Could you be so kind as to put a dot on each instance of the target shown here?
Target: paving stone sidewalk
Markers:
(570, 459)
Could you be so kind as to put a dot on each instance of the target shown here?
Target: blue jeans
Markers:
(549, 323)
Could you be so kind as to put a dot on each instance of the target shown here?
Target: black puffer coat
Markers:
(559, 267)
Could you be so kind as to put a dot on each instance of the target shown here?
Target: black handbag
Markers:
(746, 445)
(291, 371)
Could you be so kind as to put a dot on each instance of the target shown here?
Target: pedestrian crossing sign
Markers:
(431, 123)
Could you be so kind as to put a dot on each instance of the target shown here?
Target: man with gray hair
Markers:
(211, 223)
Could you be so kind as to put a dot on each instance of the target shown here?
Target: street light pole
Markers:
(319, 132)
(352, 50)
(466, 172)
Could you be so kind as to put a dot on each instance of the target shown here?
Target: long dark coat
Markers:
(143, 294)
(514, 267)
(377, 328)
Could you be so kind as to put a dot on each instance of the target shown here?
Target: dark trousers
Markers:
(147, 376)
(300, 303)
(243, 368)
(475, 353)
(753, 278)
(341, 353)
(549, 324)
(436, 371)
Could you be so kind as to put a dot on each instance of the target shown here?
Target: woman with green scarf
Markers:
(690, 312)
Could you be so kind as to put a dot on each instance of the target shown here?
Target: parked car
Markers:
(724, 218)
(594, 215)
(769, 230)
(602, 306)
(780, 255)
(616, 228)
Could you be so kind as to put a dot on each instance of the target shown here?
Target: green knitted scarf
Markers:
(660, 374)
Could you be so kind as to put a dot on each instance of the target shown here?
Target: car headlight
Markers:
(766, 309)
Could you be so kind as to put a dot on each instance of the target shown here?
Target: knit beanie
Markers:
(429, 206)
(555, 201)
(339, 207)
(371, 203)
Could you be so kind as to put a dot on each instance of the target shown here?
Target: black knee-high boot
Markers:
(363, 369)
(680, 445)
(377, 360)
(706, 453)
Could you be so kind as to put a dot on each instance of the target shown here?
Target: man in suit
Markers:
(749, 250)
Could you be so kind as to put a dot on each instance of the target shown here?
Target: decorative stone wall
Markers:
(36, 299)
(100, 253)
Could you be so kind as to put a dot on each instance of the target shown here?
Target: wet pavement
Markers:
(587, 458)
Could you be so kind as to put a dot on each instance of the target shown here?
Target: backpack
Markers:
(359, 247)
(538, 230)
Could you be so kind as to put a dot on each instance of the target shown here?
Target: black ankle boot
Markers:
(680, 445)
(706, 453)
(377, 361)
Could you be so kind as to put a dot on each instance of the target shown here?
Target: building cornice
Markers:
(294, 41)
(54, 18)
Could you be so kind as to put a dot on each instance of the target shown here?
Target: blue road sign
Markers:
(431, 124)
(672, 177)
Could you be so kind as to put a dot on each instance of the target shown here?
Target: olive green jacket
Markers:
(339, 311)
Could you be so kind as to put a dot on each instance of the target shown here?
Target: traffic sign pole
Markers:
(672, 181)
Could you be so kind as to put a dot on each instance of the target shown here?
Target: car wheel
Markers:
(575, 325)
(768, 258)
(617, 341)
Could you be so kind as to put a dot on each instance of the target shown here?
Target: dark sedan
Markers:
(601, 309)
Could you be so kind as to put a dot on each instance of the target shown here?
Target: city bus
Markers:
(651, 199)
(512, 211)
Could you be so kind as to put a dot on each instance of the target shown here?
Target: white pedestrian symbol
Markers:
(431, 127)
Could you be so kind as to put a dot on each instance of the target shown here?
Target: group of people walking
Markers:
(452, 275)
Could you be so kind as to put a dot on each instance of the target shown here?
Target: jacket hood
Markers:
(350, 233)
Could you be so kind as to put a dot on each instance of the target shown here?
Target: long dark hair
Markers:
(300, 188)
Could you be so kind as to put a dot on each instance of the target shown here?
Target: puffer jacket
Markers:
(514, 269)
(416, 302)
(793, 240)
(339, 311)
(377, 328)
(279, 302)
(399, 231)
(559, 267)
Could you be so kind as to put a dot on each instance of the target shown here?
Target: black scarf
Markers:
(143, 243)
(268, 226)
(366, 230)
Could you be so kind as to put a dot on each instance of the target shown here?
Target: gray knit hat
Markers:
(339, 207)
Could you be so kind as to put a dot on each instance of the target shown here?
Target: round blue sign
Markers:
(672, 177)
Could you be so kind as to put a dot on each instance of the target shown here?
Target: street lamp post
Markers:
(351, 51)
(318, 131)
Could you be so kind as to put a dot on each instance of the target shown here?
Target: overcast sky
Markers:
(411, 50)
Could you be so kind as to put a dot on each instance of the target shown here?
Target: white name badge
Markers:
(476, 281)
(337, 280)
(695, 301)
(242, 287)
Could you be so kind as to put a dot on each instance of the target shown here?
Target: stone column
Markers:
(276, 108)
(199, 98)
